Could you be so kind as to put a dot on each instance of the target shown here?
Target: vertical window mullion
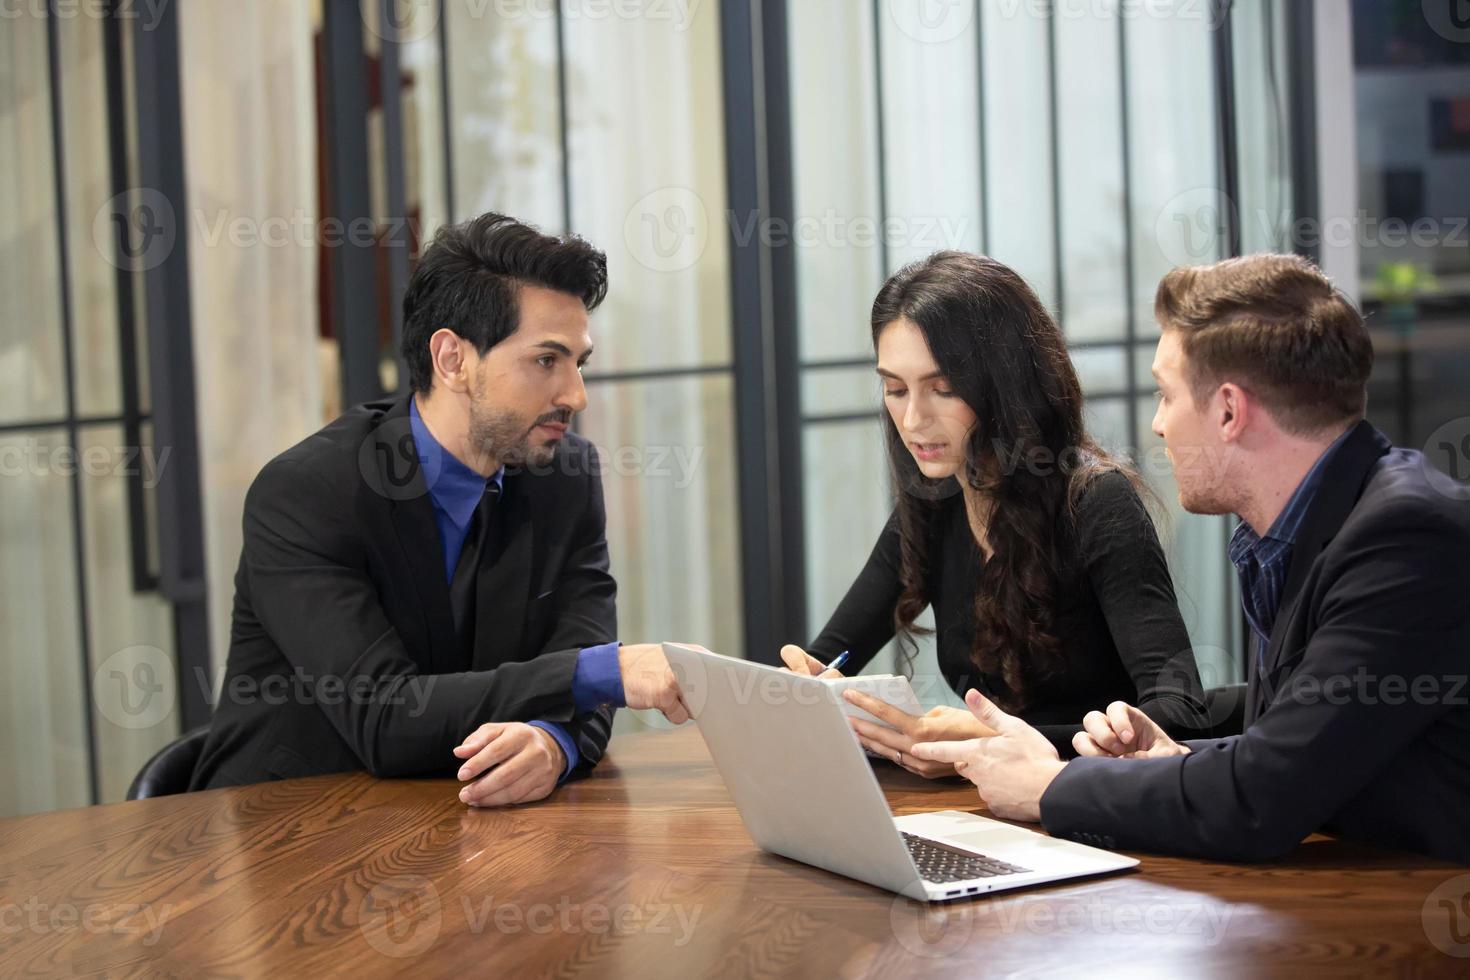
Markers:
(58, 152)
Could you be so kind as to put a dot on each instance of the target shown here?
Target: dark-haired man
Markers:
(424, 585)
(1351, 557)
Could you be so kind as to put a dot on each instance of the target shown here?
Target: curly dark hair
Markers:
(1028, 453)
(469, 278)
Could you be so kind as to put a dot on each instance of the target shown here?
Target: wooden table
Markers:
(644, 870)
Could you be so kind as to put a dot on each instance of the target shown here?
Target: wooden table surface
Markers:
(644, 870)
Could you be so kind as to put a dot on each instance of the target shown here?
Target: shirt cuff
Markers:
(598, 679)
(564, 739)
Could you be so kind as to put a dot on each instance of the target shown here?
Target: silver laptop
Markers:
(806, 791)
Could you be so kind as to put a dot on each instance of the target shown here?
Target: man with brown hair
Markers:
(1352, 562)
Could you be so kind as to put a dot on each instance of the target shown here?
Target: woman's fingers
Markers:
(886, 713)
(797, 661)
(887, 740)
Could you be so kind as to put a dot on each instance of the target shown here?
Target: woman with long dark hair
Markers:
(1031, 543)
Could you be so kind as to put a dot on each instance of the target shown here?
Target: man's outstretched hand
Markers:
(1011, 769)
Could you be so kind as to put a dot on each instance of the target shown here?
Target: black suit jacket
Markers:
(343, 654)
(1359, 722)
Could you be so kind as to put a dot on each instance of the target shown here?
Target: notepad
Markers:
(891, 689)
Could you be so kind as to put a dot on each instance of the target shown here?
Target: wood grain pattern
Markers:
(645, 870)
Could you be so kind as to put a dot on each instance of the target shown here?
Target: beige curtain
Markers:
(250, 153)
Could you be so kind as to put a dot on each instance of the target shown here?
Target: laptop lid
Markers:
(794, 767)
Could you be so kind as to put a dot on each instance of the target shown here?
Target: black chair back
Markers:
(170, 769)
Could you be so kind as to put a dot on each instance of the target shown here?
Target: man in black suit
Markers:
(424, 586)
(1352, 560)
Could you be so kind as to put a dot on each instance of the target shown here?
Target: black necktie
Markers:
(467, 571)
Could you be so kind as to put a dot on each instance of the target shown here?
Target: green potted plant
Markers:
(1400, 284)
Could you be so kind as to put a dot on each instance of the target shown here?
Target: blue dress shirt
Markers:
(455, 491)
(1263, 562)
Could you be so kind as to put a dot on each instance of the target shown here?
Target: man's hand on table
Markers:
(509, 762)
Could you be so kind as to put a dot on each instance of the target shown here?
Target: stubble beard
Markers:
(506, 438)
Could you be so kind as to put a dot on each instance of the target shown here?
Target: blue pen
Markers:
(838, 662)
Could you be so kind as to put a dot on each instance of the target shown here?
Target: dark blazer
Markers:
(343, 654)
(1359, 723)
(1116, 617)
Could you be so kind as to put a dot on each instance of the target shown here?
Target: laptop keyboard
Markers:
(941, 863)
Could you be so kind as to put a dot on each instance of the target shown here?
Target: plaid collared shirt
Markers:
(1263, 562)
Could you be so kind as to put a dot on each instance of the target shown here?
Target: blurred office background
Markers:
(211, 211)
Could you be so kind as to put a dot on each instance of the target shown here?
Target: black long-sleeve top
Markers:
(1116, 616)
